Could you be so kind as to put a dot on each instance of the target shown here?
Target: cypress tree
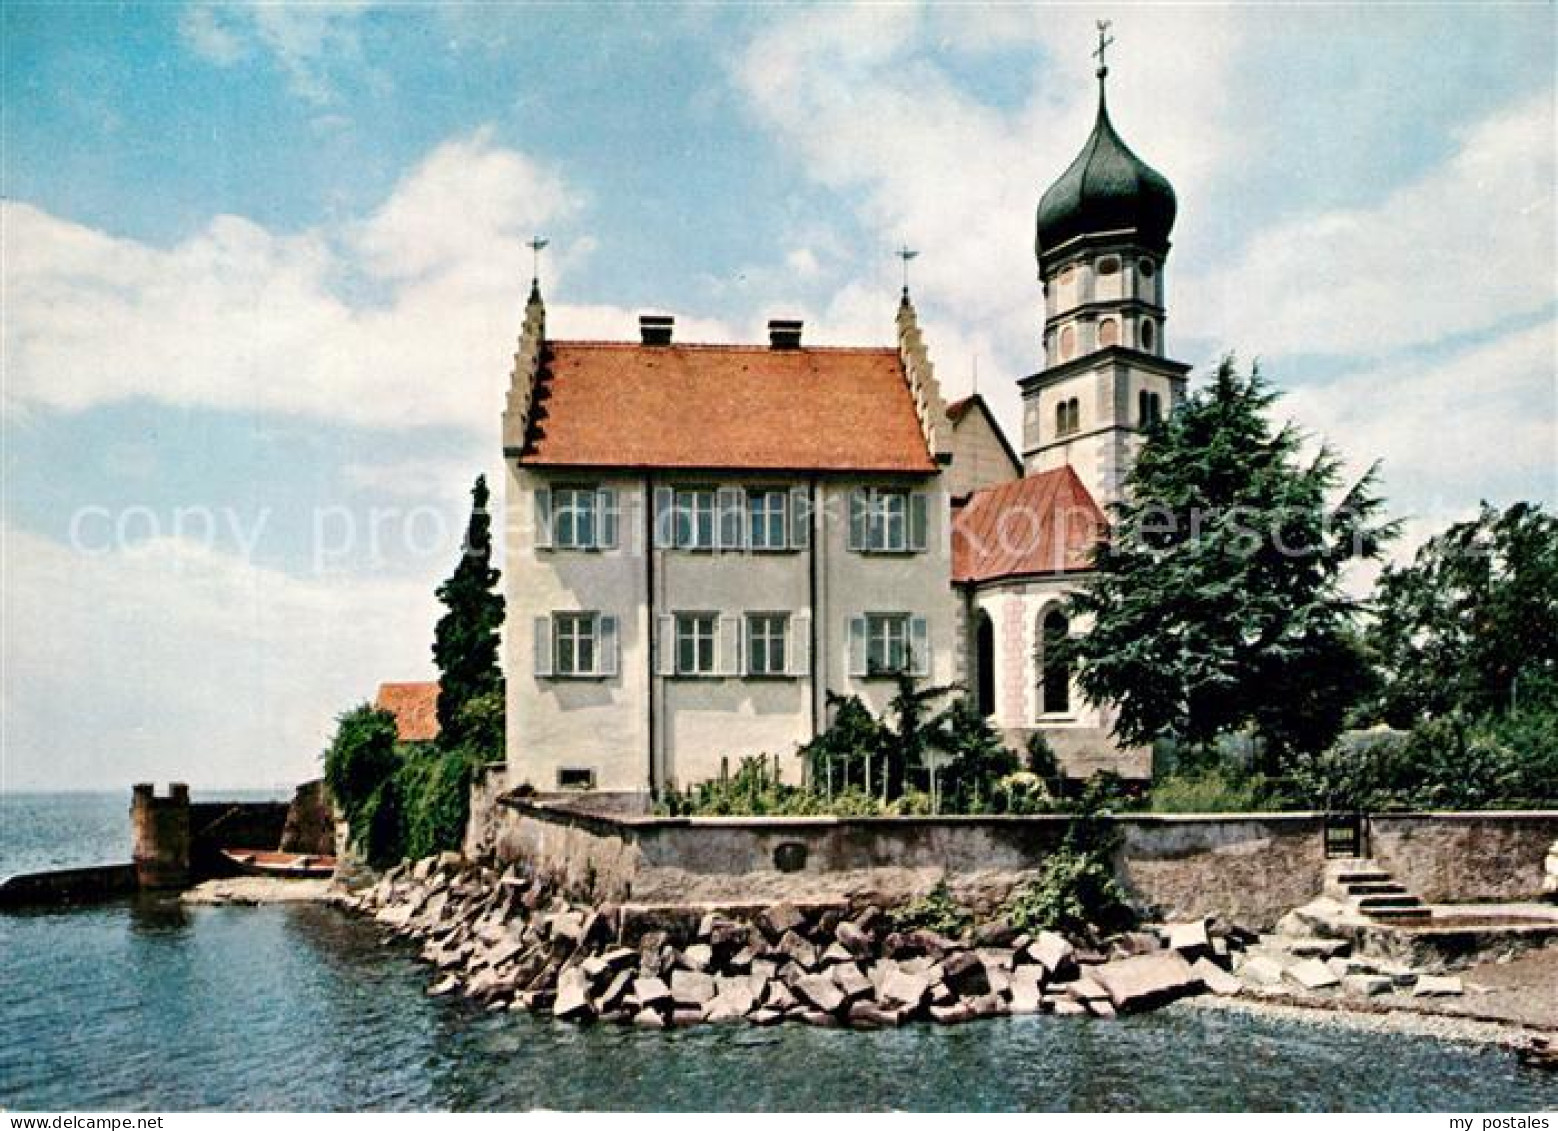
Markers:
(465, 642)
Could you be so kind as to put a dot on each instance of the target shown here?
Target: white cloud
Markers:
(1459, 250)
(403, 318)
(1483, 419)
(242, 318)
(171, 661)
(307, 41)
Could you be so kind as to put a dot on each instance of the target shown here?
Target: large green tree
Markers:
(1473, 616)
(1217, 603)
(465, 641)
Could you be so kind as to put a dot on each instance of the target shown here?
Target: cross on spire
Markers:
(1104, 40)
(905, 253)
(536, 245)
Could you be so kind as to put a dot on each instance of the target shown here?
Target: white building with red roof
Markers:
(705, 541)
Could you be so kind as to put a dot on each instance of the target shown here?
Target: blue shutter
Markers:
(543, 646)
(606, 648)
(919, 646)
(729, 518)
(800, 518)
(730, 659)
(917, 518)
(605, 519)
(665, 518)
(666, 645)
(855, 633)
(859, 518)
(543, 519)
(798, 645)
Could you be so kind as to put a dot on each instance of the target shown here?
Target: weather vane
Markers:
(1104, 40)
(536, 246)
(905, 253)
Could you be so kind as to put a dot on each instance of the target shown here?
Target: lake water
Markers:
(149, 1005)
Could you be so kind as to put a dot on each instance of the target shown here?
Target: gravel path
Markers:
(1505, 1003)
(257, 890)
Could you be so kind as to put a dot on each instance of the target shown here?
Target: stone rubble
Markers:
(503, 940)
(1278, 965)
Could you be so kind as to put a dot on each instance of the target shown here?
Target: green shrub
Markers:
(980, 760)
(434, 789)
(1074, 892)
(1209, 791)
(1042, 762)
(360, 765)
(754, 790)
(399, 799)
(936, 910)
(1501, 760)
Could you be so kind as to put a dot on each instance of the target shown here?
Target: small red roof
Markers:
(957, 408)
(623, 404)
(415, 707)
(1045, 523)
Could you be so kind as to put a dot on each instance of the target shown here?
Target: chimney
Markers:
(784, 333)
(655, 329)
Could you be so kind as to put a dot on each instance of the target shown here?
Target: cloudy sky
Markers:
(263, 269)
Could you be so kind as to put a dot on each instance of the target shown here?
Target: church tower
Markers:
(1102, 243)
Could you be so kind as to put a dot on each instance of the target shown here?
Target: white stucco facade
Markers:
(636, 722)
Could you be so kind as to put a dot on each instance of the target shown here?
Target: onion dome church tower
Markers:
(1102, 243)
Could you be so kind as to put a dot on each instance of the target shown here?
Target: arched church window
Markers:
(984, 657)
(1068, 343)
(1108, 333)
(1062, 419)
(1146, 268)
(1149, 335)
(1054, 669)
(1108, 265)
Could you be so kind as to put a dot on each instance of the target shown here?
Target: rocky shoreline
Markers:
(506, 941)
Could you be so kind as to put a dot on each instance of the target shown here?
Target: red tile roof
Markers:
(415, 707)
(1045, 523)
(957, 408)
(622, 404)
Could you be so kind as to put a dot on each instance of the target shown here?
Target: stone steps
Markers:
(1373, 892)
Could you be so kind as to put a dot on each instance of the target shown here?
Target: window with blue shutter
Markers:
(888, 520)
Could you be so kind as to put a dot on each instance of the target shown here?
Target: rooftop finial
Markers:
(536, 245)
(906, 253)
(1104, 40)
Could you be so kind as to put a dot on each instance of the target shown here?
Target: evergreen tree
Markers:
(1217, 603)
(1472, 618)
(465, 642)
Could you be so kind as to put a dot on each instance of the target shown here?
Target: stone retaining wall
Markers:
(1465, 857)
(67, 886)
(1247, 867)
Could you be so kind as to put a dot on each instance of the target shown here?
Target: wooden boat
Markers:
(282, 865)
